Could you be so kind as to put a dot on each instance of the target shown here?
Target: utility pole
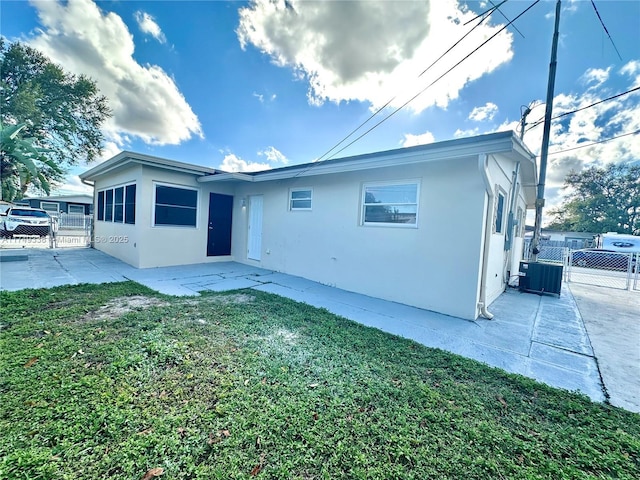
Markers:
(523, 119)
(535, 243)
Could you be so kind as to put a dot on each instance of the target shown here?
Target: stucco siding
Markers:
(145, 245)
(500, 261)
(434, 266)
(174, 245)
(119, 240)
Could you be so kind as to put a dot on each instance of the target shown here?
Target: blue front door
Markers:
(219, 225)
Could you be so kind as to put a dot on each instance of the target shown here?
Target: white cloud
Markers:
(72, 186)
(273, 155)
(594, 77)
(459, 133)
(410, 140)
(110, 149)
(145, 101)
(370, 51)
(232, 163)
(148, 25)
(606, 120)
(261, 97)
(632, 69)
(486, 112)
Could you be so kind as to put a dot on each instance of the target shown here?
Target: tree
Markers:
(22, 163)
(601, 200)
(56, 113)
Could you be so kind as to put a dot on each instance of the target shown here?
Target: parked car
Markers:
(25, 221)
(600, 258)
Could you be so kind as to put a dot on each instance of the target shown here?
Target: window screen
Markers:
(390, 204)
(130, 204)
(300, 199)
(108, 206)
(118, 205)
(498, 227)
(100, 205)
(176, 206)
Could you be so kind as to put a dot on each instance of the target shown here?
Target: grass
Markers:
(116, 381)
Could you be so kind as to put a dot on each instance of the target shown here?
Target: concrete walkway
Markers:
(612, 319)
(540, 337)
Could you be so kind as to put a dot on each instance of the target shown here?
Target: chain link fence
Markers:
(592, 266)
(607, 269)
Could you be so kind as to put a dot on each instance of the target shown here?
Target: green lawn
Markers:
(115, 381)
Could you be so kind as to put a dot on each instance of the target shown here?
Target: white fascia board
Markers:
(64, 198)
(124, 158)
(226, 177)
(502, 144)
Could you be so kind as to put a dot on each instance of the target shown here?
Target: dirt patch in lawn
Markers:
(122, 305)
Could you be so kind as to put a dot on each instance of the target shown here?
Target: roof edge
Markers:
(125, 157)
(492, 143)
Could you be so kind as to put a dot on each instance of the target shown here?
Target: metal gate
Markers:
(603, 268)
(594, 267)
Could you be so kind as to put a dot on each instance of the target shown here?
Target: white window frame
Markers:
(43, 207)
(505, 213)
(124, 203)
(70, 206)
(363, 204)
(174, 185)
(291, 199)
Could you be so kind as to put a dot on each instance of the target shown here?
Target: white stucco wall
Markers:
(435, 266)
(119, 240)
(157, 246)
(174, 245)
(501, 174)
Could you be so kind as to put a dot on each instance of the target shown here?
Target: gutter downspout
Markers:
(483, 166)
(511, 221)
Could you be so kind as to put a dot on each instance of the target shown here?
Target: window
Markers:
(76, 209)
(300, 198)
(176, 206)
(51, 207)
(390, 204)
(130, 204)
(100, 205)
(498, 226)
(116, 204)
(108, 206)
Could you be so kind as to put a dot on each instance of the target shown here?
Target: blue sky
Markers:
(254, 85)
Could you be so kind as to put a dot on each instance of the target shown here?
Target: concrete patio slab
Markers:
(612, 320)
(540, 337)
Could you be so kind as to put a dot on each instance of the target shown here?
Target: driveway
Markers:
(612, 320)
(540, 337)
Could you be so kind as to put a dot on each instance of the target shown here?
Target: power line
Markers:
(605, 29)
(436, 80)
(595, 143)
(540, 120)
(505, 17)
(484, 16)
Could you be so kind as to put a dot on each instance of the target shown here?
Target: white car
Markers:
(25, 221)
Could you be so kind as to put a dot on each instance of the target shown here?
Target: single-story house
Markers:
(78, 204)
(426, 226)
